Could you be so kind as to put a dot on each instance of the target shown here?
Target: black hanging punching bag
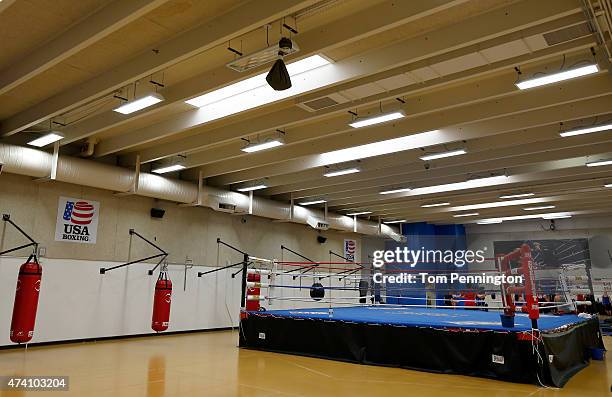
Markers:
(278, 77)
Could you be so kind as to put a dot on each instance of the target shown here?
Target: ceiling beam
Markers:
(562, 203)
(236, 22)
(5, 4)
(102, 23)
(422, 177)
(516, 148)
(447, 43)
(588, 185)
(543, 189)
(287, 118)
(383, 16)
(474, 91)
(539, 107)
(563, 206)
(537, 173)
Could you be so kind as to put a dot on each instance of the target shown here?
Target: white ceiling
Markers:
(449, 65)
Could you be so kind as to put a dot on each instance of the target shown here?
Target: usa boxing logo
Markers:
(350, 246)
(79, 213)
(77, 220)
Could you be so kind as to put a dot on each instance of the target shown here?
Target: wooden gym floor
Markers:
(209, 364)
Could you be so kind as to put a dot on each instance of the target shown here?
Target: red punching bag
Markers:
(26, 301)
(161, 303)
(253, 306)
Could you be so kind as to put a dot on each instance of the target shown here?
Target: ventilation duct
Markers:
(37, 163)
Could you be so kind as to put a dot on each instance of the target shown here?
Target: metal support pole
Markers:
(245, 261)
(219, 241)
(163, 255)
(7, 218)
(200, 274)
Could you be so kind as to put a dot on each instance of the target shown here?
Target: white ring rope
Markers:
(339, 299)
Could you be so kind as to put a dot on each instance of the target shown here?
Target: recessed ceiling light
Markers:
(138, 104)
(586, 130)
(258, 146)
(467, 214)
(383, 118)
(396, 221)
(556, 77)
(251, 188)
(400, 190)
(599, 163)
(170, 168)
(341, 172)
(442, 155)
(517, 195)
(46, 139)
(543, 207)
(434, 205)
(313, 202)
(359, 213)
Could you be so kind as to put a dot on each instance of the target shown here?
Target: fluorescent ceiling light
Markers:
(586, 130)
(608, 185)
(543, 207)
(46, 139)
(342, 172)
(467, 214)
(251, 188)
(255, 91)
(138, 104)
(359, 213)
(451, 187)
(517, 195)
(434, 205)
(170, 168)
(313, 202)
(556, 216)
(496, 204)
(378, 148)
(599, 163)
(489, 222)
(383, 118)
(435, 156)
(397, 221)
(471, 184)
(400, 190)
(257, 146)
(556, 77)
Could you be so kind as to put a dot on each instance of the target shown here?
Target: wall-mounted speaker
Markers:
(321, 239)
(157, 212)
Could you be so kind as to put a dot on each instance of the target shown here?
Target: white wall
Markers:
(77, 302)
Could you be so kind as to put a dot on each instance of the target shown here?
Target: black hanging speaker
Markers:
(278, 77)
(157, 212)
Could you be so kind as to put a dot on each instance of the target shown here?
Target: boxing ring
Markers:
(320, 309)
(452, 341)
